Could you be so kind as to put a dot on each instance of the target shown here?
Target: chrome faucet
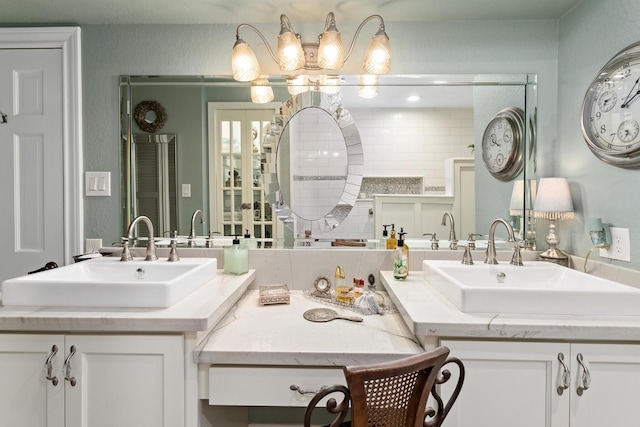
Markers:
(151, 244)
(453, 242)
(491, 245)
(192, 232)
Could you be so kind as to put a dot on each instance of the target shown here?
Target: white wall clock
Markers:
(502, 144)
(611, 110)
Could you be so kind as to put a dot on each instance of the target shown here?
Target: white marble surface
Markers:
(198, 311)
(279, 335)
(428, 313)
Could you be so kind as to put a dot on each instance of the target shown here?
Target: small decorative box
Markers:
(274, 294)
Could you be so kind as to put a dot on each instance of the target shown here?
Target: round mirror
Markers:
(313, 163)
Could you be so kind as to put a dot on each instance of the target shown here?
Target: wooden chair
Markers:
(392, 394)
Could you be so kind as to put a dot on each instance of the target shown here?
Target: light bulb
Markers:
(261, 92)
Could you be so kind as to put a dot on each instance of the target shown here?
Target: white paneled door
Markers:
(31, 160)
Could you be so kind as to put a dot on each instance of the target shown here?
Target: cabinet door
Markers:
(124, 381)
(614, 374)
(27, 397)
(509, 384)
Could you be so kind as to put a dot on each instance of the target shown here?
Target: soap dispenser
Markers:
(250, 242)
(236, 258)
(385, 236)
(392, 242)
(401, 258)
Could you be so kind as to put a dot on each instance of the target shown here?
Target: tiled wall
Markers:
(411, 142)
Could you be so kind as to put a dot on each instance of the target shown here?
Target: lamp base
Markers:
(556, 256)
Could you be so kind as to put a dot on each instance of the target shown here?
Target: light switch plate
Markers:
(186, 190)
(97, 183)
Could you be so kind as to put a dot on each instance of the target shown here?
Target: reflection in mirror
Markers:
(313, 174)
(312, 163)
(401, 143)
(153, 179)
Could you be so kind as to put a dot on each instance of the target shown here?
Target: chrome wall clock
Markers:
(611, 110)
(502, 144)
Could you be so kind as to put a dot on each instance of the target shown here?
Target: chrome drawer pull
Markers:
(49, 366)
(67, 367)
(301, 391)
(586, 376)
(566, 376)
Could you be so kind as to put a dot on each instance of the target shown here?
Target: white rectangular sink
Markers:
(108, 282)
(535, 288)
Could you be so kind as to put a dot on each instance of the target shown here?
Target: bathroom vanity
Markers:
(529, 370)
(218, 351)
(97, 367)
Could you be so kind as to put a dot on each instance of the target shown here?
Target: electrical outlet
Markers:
(620, 245)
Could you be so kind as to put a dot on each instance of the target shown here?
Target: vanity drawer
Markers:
(268, 386)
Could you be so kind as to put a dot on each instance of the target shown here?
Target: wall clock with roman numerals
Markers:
(611, 110)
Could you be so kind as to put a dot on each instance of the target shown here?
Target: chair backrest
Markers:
(393, 394)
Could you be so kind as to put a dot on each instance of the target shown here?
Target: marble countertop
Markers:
(279, 335)
(198, 311)
(427, 313)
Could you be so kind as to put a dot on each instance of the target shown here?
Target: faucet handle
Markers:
(173, 253)
(516, 259)
(472, 240)
(126, 253)
(467, 259)
(434, 241)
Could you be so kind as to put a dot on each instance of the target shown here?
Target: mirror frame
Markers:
(332, 105)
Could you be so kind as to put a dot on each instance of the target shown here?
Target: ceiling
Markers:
(79, 12)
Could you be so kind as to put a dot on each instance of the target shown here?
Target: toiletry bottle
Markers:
(358, 288)
(236, 258)
(344, 292)
(385, 237)
(249, 242)
(392, 242)
(401, 258)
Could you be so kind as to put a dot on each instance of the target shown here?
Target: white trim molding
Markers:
(68, 40)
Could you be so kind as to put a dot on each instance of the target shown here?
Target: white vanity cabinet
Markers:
(100, 380)
(522, 383)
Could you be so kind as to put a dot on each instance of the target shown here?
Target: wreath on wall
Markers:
(141, 113)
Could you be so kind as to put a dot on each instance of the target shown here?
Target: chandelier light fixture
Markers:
(327, 54)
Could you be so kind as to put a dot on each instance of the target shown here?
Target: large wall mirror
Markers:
(409, 133)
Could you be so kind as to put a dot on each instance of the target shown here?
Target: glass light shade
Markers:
(244, 63)
(329, 84)
(553, 200)
(368, 87)
(261, 91)
(290, 53)
(297, 84)
(330, 50)
(378, 57)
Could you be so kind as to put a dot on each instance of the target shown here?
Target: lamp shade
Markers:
(290, 53)
(368, 87)
(261, 91)
(516, 206)
(378, 57)
(244, 64)
(331, 50)
(553, 200)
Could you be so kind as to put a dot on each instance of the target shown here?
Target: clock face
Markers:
(502, 144)
(611, 110)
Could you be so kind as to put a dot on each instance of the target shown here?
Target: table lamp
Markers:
(553, 202)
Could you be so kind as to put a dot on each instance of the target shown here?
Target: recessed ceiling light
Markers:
(414, 98)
